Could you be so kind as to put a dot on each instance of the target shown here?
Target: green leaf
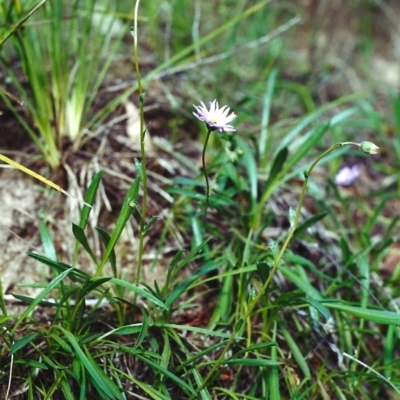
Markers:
(255, 347)
(123, 217)
(379, 316)
(265, 142)
(309, 140)
(102, 382)
(156, 367)
(263, 269)
(253, 362)
(346, 252)
(21, 343)
(172, 265)
(181, 180)
(277, 166)
(307, 224)
(76, 275)
(30, 300)
(251, 168)
(32, 363)
(192, 194)
(51, 286)
(80, 236)
(89, 198)
(124, 330)
(297, 354)
(47, 241)
(291, 216)
(105, 237)
(319, 307)
(201, 354)
(145, 293)
(153, 219)
(93, 283)
(239, 325)
(180, 289)
(139, 168)
(201, 331)
(64, 345)
(147, 322)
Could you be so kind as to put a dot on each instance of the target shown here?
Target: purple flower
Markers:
(217, 119)
(347, 175)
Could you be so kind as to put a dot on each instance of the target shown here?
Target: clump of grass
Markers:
(64, 52)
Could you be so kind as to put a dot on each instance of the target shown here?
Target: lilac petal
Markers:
(347, 175)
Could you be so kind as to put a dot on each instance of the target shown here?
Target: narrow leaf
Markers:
(379, 316)
(21, 343)
(89, 198)
(124, 215)
(51, 286)
(146, 294)
(103, 382)
(80, 236)
(47, 241)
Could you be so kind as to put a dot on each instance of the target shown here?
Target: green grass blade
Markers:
(253, 362)
(76, 275)
(379, 316)
(297, 354)
(51, 286)
(80, 236)
(168, 374)
(265, 142)
(141, 292)
(128, 206)
(21, 343)
(101, 380)
(251, 168)
(47, 242)
(273, 377)
(105, 237)
(89, 199)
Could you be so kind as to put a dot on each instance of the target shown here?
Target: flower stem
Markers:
(203, 160)
(143, 171)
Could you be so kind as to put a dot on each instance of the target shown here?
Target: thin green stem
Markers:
(142, 172)
(276, 263)
(203, 160)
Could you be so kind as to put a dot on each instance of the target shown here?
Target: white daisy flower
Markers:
(216, 118)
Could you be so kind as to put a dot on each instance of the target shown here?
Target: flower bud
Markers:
(369, 148)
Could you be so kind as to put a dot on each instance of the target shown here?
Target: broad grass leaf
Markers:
(22, 342)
